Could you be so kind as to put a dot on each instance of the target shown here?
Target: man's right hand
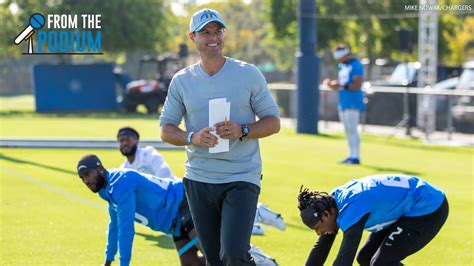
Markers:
(203, 138)
(332, 84)
(108, 263)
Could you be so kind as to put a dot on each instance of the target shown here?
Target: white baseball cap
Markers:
(340, 53)
(203, 17)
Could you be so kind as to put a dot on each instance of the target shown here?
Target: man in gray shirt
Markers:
(222, 188)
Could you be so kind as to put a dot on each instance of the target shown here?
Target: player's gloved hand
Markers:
(108, 263)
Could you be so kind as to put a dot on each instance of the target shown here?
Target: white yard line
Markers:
(50, 187)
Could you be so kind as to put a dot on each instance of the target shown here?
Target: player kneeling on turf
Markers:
(404, 213)
(158, 203)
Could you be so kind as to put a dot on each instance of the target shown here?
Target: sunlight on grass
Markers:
(17, 103)
(64, 225)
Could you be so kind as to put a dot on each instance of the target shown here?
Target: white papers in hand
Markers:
(219, 111)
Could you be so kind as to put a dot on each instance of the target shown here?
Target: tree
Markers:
(127, 25)
(10, 26)
(367, 26)
(280, 29)
(460, 42)
(244, 32)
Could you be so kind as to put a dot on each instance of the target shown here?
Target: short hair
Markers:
(128, 131)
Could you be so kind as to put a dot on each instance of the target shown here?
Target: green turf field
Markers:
(49, 217)
(17, 103)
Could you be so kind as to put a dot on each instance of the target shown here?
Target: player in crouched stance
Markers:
(404, 213)
(158, 203)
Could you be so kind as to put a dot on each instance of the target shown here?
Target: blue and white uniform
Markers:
(404, 213)
(133, 196)
(386, 198)
(350, 99)
(351, 103)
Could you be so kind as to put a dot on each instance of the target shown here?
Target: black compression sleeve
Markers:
(350, 243)
(320, 250)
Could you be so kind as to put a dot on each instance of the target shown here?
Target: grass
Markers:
(18, 120)
(18, 103)
(20, 123)
(75, 126)
(49, 217)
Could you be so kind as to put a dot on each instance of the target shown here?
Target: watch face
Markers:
(246, 130)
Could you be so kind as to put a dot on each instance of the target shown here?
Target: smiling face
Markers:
(94, 179)
(210, 40)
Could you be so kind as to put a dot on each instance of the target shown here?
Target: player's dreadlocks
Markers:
(312, 204)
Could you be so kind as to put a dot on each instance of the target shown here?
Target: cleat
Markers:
(269, 217)
(351, 161)
(258, 230)
(260, 258)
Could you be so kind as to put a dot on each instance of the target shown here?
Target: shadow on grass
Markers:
(388, 169)
(330, 136)
(21, 161)
(162, 241)
(417, 144)
(108, 115)
(319, 135)
(16, 113)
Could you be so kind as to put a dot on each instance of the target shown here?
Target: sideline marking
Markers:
(50, 187)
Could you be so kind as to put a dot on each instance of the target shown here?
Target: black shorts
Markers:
(187, 224)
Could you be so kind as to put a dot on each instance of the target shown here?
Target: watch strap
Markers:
(189, 138)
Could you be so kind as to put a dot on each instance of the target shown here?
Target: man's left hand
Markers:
(228, 130)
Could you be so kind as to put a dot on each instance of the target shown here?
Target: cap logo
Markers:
(81, 167)
(208, 14)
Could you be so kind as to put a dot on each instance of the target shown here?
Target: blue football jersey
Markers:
(144, 198)
(350, 99)
(386, 198)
